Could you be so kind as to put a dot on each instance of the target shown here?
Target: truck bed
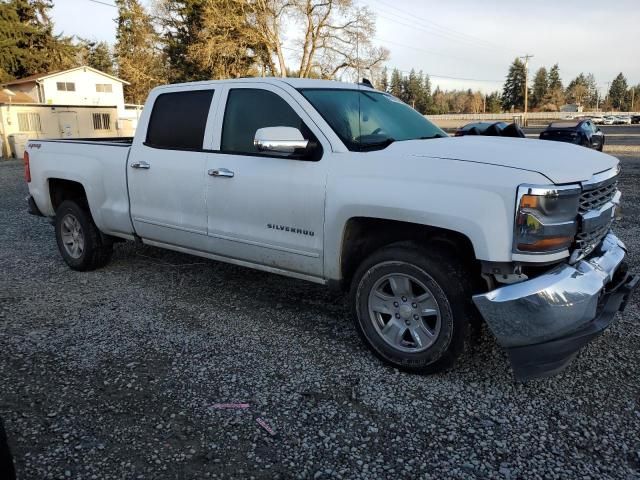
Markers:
(113, 141)
(98, 165)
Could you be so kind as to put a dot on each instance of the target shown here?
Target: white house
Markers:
(78, 86)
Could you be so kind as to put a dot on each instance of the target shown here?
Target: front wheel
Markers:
(81, 244)
(410, 306)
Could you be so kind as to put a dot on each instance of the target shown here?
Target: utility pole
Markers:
(526, 86)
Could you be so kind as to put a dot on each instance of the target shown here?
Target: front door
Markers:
(166, 171)
(68, 124)
(265, 209)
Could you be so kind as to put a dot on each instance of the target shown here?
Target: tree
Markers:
(27, 43)
(337, 36)
(424, 100)
(219, 38)
(555, 93)
(96, 55)
(137, 51)
(577, 90)
(100, 58)
(618, 94)
(554, 78)
(383, 82)
(12, 33)
(540, 87)
(513, 91)
(494, 103)
(395, 86)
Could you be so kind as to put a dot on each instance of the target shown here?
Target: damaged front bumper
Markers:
(543, 322)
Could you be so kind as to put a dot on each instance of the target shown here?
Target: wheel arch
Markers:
(364, 235)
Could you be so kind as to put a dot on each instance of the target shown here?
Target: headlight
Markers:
(546, 218)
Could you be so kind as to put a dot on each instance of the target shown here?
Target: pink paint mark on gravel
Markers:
(229, 406)
(264, 425)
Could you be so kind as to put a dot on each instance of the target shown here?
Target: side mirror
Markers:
(280, 140)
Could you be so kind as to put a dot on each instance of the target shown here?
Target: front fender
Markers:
(476, 200)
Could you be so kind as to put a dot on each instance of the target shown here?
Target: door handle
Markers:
(143, 165)
(221, 172)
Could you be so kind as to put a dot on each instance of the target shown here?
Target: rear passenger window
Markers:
(179, 119)
(248, 110)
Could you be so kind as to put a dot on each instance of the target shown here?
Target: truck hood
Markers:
(559, 162)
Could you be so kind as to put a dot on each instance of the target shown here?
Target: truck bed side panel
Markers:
(99, 167)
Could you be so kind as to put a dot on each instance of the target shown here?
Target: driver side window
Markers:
(249, 109)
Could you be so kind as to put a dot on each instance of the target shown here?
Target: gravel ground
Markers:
(110, 375)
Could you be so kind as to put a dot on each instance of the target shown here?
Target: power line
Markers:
(436, 29)
(449, 77)
(432, 52)
(104, 3)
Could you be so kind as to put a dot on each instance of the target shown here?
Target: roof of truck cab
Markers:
(294, 82)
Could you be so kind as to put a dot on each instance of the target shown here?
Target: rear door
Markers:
(166, 169)
(267, 208)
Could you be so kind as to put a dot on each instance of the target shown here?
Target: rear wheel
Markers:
(81, 244)
(410, 306)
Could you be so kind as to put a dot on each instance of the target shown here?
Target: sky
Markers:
(466, 43)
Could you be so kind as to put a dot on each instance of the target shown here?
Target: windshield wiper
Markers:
(376, 145)
(429, 137)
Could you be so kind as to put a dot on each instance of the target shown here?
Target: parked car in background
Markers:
(622, 120)
(491, 129)
(598, 120)
(635, 119)
(608, 120)
(580, 132)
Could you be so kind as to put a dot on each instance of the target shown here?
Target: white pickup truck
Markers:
(346, 186)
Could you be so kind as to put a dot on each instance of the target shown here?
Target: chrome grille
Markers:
(597, 197)
(587, 241)
(594, 197)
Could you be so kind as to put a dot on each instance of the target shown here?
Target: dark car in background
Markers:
(635, 119)
(581, 132)
(494, 129)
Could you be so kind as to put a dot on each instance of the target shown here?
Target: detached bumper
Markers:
(543, 322)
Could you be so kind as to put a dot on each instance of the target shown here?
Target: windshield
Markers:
(368, 120)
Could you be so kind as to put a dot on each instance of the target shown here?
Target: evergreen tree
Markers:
(100, 58)
(555, 92)
(494, 103)
(540, 87)
(618, 93)
(207, 39)
(395, 86)
(12, 33)
(423, 103)
(136, 51)
(27, 43)
(554, 78)
(513, 91)
(413, 88)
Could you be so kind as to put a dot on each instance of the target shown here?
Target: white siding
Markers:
(85, 93)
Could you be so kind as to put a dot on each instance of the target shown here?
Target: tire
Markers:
(437, 283)
(81, 244)
(601, 146)
(7, 469)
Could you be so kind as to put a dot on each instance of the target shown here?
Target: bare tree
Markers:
(334, 35)
(337, 37)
